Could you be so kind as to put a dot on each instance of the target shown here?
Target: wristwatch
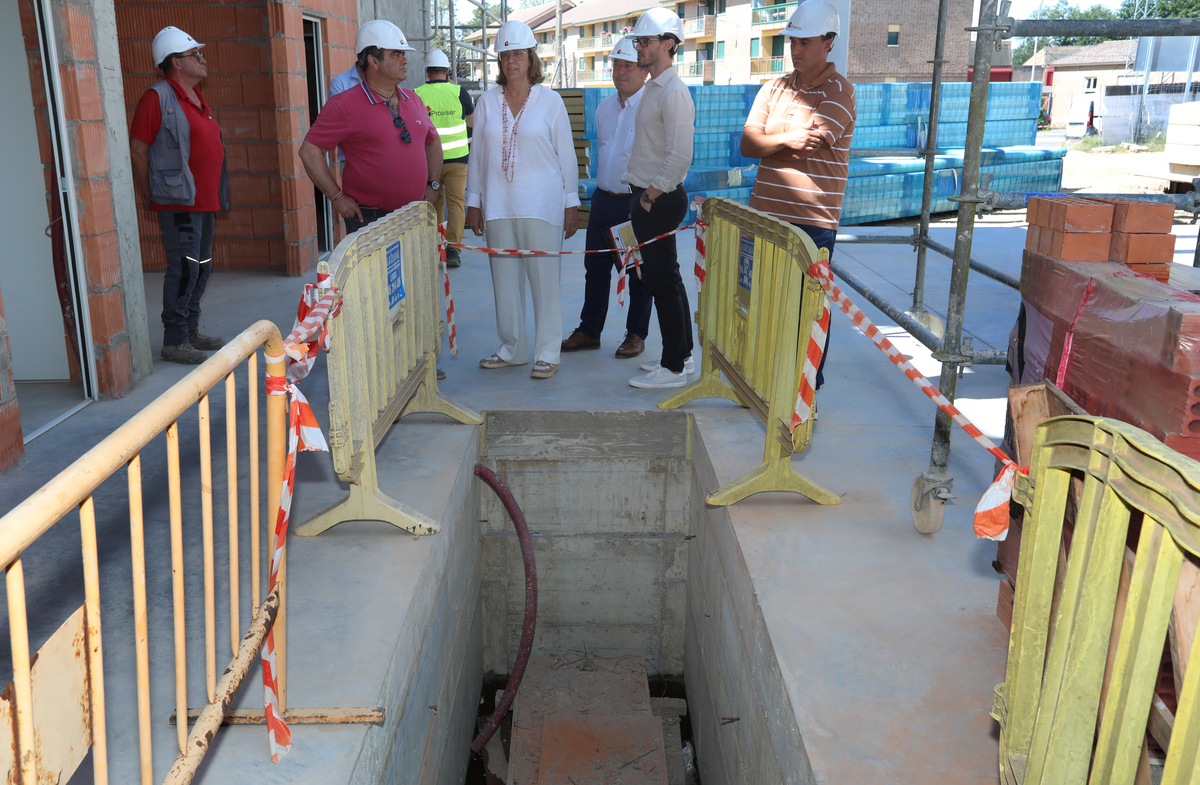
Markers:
(434, 184)
(646, 199)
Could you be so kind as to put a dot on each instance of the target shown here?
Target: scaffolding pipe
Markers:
(910, 325)
(865, 152)
(935, 484)
(980, 267)
(878, 239)
(935, 105)
(999, 200)
(1087, 28)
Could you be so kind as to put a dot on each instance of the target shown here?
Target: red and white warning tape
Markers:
(518, 252)
(451, 330)
(991, 516)
(309, 335)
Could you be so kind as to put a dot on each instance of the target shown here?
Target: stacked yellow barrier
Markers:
(1087, 643)
(755, 316)
(383, 358)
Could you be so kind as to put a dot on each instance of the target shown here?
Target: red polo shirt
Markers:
(207, 154)
(382, 170)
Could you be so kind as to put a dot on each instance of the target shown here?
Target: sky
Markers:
(1027, 9)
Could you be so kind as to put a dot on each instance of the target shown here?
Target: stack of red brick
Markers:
(1129, 231)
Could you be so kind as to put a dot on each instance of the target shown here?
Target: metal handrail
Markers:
(772, 14)
(73, 488)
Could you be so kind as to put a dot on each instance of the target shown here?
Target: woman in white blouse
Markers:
(523, 193)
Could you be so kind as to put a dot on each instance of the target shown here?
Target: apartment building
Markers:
(741, 41)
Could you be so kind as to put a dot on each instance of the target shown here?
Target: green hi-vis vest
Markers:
(445, 109)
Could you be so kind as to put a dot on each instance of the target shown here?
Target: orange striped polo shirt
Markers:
(810, 190)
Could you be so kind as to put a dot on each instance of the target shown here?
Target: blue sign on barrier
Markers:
(745, 274)
(395, 273)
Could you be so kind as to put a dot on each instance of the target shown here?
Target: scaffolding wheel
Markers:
(927, 502)
(928, 320)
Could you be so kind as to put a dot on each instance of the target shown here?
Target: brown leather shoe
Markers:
(578, 341)
(632, 346)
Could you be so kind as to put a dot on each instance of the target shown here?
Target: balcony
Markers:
(546, 50)
(593, 78)
(605, 42)
(703, 71)
(769, 67)
(700, 27)
(772, 17)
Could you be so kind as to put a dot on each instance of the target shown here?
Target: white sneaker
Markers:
(689, 365)
(659, 377)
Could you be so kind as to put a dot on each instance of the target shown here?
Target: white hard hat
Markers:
(624, 51)
(658, 21)
(514, 35)
(381, 33)
(172, 40)
(812, 19)
(437, 59)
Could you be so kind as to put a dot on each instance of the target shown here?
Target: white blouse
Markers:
(545, 176)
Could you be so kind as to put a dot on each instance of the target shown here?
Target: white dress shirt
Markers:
(546, 174)
(615, 125)
(662, 144)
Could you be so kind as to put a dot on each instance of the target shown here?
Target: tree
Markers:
(1167, 9)
(1064, 10)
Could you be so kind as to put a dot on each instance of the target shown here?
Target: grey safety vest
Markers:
(171, 180)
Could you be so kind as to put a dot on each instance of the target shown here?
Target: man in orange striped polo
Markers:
(800, 126)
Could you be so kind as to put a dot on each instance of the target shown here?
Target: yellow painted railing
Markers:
(755, 316)
(1087, 643)
(383, 360)
(65, 681)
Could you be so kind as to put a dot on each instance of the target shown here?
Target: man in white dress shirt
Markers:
(610, 206)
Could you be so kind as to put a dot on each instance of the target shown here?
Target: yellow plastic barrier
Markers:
(383, 358)
(755, 315)
(65, 684)
(1087, 641)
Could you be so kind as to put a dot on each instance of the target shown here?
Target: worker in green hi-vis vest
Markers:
(451, 110)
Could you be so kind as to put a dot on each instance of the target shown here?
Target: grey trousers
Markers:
(187, 238)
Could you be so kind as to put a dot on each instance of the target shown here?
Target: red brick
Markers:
(153, 256)
(94, 200)
(233, 57)
(286, 20)
(1035, 211)
(221, 90)
(29, 26)
(252, 21)
(237, 223)
(108, 316)
(1070, 214)
(296, 192)
(257, 90)
(43, 132)
(1077, 246)
(268, 222)
(236, 159)
(289, 163)
(12, 442)
(135, 59)
(91, 150)
(251, 190)
(1160, 272)
(262, 157)
(102, 258)
(77, 24)
(81, 92)
(114, 370)
(239, 123)
(1032, 236)
(292, 124)
(1142, 248)
(1134, 216)
(37, 79)
(212, 22)
(136, 85)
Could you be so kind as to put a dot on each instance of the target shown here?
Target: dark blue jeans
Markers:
(187, 240)
(607, 211)
(822, 238)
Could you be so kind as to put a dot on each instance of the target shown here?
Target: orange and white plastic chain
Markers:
(451, 330)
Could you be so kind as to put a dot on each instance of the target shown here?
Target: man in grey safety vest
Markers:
(452, 112)
(178, 161)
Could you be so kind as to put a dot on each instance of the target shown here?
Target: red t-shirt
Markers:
(382, 170)
(207, 154)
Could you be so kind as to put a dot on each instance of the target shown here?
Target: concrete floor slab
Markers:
(887, 639)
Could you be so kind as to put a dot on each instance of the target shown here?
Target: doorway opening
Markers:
(315, 71)
(44, 308)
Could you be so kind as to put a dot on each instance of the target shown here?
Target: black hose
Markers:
(526, 648)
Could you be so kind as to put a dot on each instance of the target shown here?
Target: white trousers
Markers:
(508, 282)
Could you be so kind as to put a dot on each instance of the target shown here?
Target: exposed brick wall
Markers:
(12, 444)
(872, 60)
(88, 144)
(258, 93)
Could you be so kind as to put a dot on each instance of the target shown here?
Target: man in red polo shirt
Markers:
(179, 169)
(393, 151)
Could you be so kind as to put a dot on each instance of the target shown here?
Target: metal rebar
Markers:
(1019, 201)
(1088, 28)
(935, 106)
(978, 266)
